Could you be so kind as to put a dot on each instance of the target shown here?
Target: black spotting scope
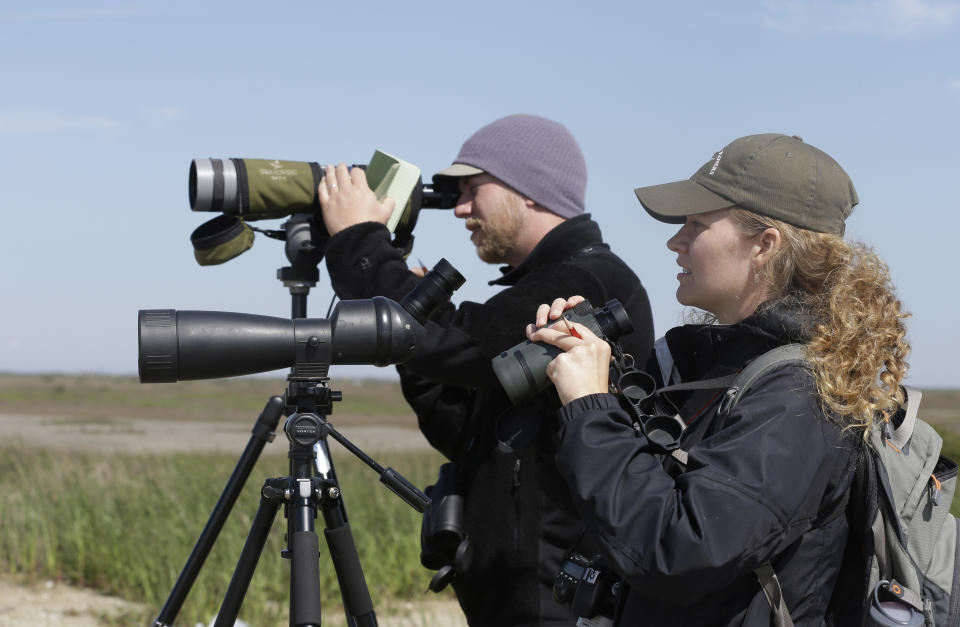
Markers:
(186, 345)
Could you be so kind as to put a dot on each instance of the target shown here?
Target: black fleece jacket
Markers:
(765, 483)
(517, 513)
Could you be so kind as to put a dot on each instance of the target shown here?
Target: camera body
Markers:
(587, 586)
(522, 369)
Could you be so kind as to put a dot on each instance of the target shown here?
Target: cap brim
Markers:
(449, 180)
(673, 202)
(457, 170)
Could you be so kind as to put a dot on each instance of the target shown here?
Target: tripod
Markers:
(311, 485)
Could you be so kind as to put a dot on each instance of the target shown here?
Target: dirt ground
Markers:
(157, 435)
(74, 421)
(53, 604)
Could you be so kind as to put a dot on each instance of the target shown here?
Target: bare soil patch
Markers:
(114, 414)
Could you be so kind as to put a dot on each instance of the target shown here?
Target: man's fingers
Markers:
(343, 177)
(358, 177)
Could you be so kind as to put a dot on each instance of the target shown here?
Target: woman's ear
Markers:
(768, 243)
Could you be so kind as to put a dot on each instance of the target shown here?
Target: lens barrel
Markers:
(213, 186)
(255, 189)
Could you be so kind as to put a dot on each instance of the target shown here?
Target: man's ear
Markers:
(530, 204)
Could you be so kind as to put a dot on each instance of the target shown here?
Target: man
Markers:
(522, 181)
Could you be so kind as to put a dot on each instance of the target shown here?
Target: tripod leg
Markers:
(304, 579)
(262, 433)
(271, 497)
(346, 562)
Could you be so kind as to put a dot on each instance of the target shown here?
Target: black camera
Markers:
(522, 370)
(587, 586)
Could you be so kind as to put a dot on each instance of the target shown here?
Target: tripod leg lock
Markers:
(276, 490)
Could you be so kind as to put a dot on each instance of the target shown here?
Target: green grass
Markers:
(126, 524)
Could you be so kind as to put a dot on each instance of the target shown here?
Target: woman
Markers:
(761, 250)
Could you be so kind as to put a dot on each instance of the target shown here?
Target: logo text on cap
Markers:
(716, 163)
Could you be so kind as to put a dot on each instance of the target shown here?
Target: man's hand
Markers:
(345, 199)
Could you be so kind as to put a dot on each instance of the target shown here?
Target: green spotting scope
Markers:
(262, 189)
(245, 190)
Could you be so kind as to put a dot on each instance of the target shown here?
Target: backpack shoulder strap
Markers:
(739, 382)
(902, 434)
(775, 358)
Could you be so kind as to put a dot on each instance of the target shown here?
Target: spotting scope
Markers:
(186, 345)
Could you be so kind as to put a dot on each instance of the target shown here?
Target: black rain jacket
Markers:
(517, 514)
(766, 483)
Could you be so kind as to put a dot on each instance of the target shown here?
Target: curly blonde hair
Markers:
(858, 346)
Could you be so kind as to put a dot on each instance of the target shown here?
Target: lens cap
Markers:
(220, 239)
(636, 386)
(442, 578)
(663, 431)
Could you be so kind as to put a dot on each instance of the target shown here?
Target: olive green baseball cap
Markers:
(775, 175)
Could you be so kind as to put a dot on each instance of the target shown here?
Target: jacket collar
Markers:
(700, 350)
(563, 241)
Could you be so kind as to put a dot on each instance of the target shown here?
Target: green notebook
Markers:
(390, 177)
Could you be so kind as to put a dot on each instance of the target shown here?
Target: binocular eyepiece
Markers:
(185, 345)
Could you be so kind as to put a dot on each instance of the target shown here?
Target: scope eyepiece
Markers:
(434, 289)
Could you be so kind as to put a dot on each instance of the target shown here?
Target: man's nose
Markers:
(464, 207)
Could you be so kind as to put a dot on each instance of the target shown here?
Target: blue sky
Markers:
(105, 104)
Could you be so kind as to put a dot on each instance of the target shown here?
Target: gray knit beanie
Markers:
(537, 157)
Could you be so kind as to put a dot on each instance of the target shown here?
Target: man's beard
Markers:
(498, 233)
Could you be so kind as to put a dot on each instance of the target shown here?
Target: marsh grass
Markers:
(125, 525)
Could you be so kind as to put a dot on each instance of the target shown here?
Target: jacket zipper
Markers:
(518, 506)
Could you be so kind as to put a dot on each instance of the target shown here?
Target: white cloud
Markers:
(890, 18)
(49, 122)
(953, 84)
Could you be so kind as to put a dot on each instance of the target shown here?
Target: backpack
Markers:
(902, 561)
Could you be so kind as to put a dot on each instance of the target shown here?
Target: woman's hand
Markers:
(346, 199)
(584, 366)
